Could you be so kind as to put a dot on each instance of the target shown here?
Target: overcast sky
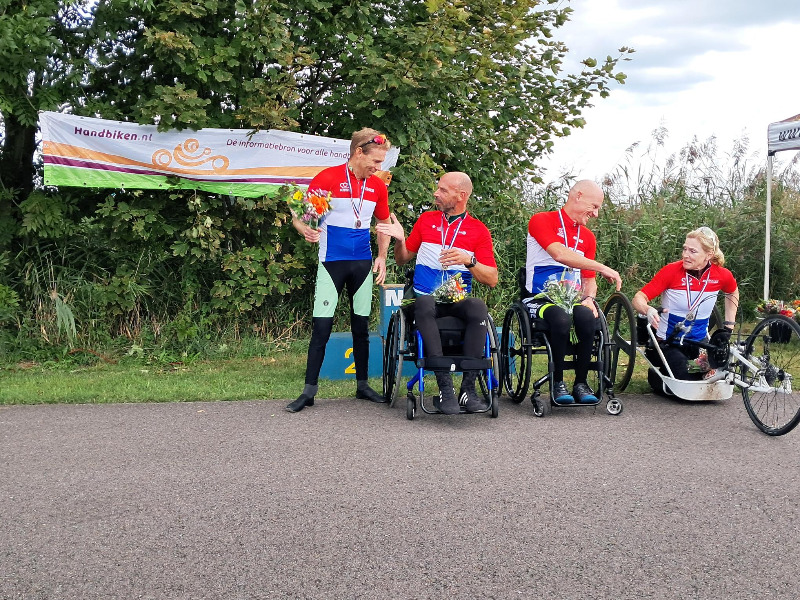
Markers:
(725, 68)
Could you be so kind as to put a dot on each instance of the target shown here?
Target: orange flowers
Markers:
(310, 207)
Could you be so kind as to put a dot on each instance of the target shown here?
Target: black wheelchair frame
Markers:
(404, 343)
(524, 337)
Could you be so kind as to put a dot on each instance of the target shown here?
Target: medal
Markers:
(693, 304)
(356, 211)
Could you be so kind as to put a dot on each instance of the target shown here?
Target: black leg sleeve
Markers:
(320, 333)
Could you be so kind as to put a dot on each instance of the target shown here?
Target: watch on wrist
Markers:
(472, 262)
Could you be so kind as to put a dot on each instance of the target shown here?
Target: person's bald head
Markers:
(452, 193)
(584, 201)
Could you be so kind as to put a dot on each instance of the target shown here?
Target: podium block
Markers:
(339, 362)
(391, 295)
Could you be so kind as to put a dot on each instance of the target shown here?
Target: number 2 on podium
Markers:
(352, 367)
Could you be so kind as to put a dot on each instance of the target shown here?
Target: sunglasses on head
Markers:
(379, 139)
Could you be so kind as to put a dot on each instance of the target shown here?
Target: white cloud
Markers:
(702, 68)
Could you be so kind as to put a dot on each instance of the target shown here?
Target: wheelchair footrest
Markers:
(454, 363)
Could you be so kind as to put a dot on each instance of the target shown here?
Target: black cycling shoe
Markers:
(300, 403)
(560, 395)
(368, 393)
(584, 394)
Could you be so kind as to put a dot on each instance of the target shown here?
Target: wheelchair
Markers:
(524, 339)
(761, 364)
(403, 343)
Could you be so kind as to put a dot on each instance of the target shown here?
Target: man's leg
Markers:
(359, 288)
(425, 313)
(475, 315)
(559, 323)
(326, 296)
(585, 324)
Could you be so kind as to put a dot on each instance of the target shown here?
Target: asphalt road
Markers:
(348, 499)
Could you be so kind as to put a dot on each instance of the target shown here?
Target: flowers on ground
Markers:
(310, 206)
(451, 290)
(779, 307)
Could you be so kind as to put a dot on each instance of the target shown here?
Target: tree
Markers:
(473, 86)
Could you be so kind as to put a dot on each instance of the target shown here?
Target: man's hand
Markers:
(310, 234)
(379, 267)
(611, 276)
(453, 257)
(653, 317)
(590, 303)
(393, 228)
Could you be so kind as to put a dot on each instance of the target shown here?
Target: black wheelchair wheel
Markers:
(393, 345)
(621, 323)
(411, 407)
(515, 352)
(771, 400)
(600, 376)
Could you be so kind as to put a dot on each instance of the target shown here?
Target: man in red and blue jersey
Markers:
(561, 247)
(345, 256)
(447, 241)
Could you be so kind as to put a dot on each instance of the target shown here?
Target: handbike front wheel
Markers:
(770, 396)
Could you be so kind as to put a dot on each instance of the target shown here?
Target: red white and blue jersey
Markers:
(340, 238)
(432, 233)
(698, 299)
(546, 228)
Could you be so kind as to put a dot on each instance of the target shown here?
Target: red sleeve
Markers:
(589, 251)
(728, 283)
(541, 229)
(414, 239)
(321, 181)
(484, 249)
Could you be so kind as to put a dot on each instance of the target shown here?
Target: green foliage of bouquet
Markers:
(451, 290)
(564, 293)
(778, 307)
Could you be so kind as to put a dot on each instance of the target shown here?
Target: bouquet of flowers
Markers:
(564, 293)
(700, 364)
(310, 206)
(451, 290)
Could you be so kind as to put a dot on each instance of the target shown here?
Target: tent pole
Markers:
(768, 227)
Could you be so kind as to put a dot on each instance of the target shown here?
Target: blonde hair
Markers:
(365, 139)
(709, 242)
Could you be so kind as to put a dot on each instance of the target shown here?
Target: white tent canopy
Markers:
(783, 135)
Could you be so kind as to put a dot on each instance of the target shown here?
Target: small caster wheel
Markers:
(614, 406)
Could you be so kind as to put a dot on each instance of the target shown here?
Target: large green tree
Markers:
(475, 86)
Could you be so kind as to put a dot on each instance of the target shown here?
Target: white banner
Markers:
(88, 152)
(784, 135)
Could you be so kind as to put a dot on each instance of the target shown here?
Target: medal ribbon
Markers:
(445, 234)
(692, 305)
(356, 211)
(566, 238)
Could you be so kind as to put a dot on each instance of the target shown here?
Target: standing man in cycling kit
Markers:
(345, 256)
